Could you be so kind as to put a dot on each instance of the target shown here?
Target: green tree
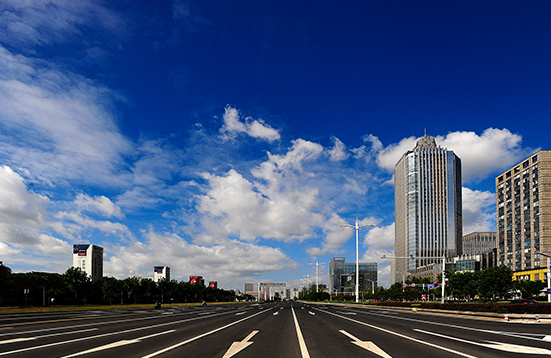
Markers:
(111, 288)
(495, 282)
(77, 282)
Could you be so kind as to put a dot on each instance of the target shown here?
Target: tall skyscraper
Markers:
(523, 201)
(89, 258)
(427, 199)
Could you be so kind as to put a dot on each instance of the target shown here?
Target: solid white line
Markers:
(302, 344)
(47, 335)
(200, 336)
(117, 344)
(401, 335)
(112, 333)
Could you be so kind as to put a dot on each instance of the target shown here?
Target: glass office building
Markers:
(342, 275)
(428, 214)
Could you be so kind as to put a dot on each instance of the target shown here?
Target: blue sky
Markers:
(230, 139)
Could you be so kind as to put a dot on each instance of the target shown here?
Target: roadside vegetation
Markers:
(74, 287)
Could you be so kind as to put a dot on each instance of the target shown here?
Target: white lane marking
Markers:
(507, 347)
(45, 336)
(352, 313)
(370, 346)
(302, 344)
(502, 333)
(401, 335)
(547, 338)
(312, 313)
(117, 344)
(112, 333)
(275, 313)
(237, 347)
(202, 335)
(240, 313)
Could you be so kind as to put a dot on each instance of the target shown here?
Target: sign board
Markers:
(430, 287)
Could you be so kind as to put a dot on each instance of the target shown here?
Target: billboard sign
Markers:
(193, 280)
(213, 284)
(158, 269)
(80, 249)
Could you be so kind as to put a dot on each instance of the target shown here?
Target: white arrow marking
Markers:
(117, 344)
(497, 345)
(237, 347)
(547, 338)
(312, 313)
(370, 346)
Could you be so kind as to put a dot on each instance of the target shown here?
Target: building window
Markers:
(534, 158)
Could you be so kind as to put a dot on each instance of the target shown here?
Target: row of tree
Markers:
(75, 287)
(491, 284)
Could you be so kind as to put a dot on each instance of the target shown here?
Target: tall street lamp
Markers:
(548, 276)
(357, 227)
(317, 274)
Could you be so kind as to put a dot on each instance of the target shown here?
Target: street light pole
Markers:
(357, 227)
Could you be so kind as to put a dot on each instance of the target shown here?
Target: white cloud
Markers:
(22, 217)
(254, 128)
(479, 211)
(61, 125)
(380, 238)
(28, 23)
(481, 155)
(338, 152)
(99, 204)
(227, 261)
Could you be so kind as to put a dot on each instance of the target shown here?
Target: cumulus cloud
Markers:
(101, 204)
(229, 260)
(338, 152)
(481, 155)
(23, 215)
(255, 128)
(380, 238)
(479, 211)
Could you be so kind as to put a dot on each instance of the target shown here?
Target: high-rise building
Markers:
(479, 242)
(89, 258)
(523, 200)
(427, 194)
(342, 275)
(161, 272)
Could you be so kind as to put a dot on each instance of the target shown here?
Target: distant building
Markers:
(428, 206)
(523, 205)
(479, 242)
(196, 280)
(213, 284)
(266, 290)
(248, 287)
(161, 272)
(89, 258)
(342, 275)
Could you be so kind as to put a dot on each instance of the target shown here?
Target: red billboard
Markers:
(213, 284)
(193, 279)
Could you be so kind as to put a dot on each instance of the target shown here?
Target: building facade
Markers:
(479, 242)
(89, 258)
(523, 204)
(342, 275)
(161, 272)
(248, 287)
(428, 206)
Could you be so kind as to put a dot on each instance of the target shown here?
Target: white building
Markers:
(160, 272)
(89, 258)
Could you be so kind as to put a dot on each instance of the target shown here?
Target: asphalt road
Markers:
(267, 330)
